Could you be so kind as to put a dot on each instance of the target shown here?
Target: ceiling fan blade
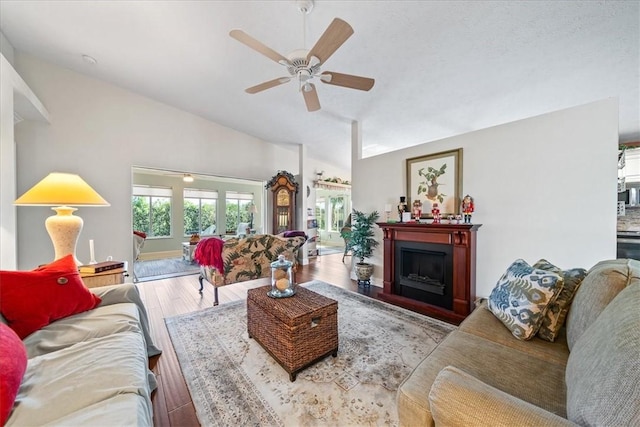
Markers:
(311, 98)
(254, 44)
(267, 85)
(337, 33)
(347, 80)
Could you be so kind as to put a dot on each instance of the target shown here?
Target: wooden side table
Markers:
(105, 278)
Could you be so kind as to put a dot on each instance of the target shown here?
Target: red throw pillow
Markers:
(13, 363)
(33, 299)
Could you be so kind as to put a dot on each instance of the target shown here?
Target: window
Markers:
(337, 215)
(200, 208)
(237, 210)
(320, 213)
(152, 210)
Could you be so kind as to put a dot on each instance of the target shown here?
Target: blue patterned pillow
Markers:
(522, 296)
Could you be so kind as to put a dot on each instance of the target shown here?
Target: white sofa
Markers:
(90, 369)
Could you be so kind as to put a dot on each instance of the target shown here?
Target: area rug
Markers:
(163, 268)
(234, 381)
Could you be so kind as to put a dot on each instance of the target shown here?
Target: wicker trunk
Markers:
(297, 331)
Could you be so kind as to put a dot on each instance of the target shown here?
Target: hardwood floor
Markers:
(172, 405)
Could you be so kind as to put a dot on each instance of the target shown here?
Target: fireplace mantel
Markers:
(461, 237)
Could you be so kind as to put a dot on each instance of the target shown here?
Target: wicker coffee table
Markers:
(297, 331)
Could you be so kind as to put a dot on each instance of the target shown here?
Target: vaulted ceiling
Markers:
(441, 68)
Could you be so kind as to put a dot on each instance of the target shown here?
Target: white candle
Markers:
(91, 252)
(387, 208)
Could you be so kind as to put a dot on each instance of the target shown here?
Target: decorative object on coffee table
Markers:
(297, 332)
(281, 278)
(362, 244)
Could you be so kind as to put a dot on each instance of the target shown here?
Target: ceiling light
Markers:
(187, 177)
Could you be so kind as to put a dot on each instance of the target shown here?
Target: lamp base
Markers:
(64, 230)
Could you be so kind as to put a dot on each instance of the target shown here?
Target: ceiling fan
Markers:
(305, 65)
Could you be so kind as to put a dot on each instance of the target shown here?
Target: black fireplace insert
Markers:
(424, 272)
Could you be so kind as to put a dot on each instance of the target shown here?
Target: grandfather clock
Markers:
(283, 189)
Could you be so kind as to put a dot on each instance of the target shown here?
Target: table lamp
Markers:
(62, 190)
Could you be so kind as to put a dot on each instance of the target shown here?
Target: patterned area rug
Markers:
(234, 381)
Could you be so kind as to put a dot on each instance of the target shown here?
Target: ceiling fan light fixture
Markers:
(304, 6)
(307, 87)
(326, 77)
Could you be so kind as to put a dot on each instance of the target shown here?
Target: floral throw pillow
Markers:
(522, 296)
(557, 311)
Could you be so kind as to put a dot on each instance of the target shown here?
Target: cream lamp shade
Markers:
(62, 190)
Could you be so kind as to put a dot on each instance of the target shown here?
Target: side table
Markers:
(187, 251)
(104, 278)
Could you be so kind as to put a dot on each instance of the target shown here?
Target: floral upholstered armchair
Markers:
(241, 259)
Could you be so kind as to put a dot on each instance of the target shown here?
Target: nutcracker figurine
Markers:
(467, 208)
(417, 210)
(402, 206)
(435, 211)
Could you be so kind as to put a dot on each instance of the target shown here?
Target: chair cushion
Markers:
(33, 299)
(556, 314)
(601, 285)
(603, 370)
(522, 296)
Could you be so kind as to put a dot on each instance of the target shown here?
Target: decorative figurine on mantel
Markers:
(417, 210)
(435, 211)
(467, 208)
(402, 206)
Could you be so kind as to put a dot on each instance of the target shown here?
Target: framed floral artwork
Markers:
(436, 178)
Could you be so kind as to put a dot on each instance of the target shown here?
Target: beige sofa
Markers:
(482, 375)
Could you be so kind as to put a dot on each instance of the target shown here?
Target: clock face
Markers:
(282, 198)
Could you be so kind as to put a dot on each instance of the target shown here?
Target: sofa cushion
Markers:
(556, 314)
(459, 399)
(33, 299)
(482, 323)
(601, 285)
(13, 363)
(80, 382)
(603, 370)
(521, 298)
(96, 323)
(537, 381)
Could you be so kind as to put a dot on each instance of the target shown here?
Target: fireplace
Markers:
(425, 273)
(430, 268)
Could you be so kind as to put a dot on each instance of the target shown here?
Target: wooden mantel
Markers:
(462, 237)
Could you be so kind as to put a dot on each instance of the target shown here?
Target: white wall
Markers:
(99, 131)
(544, 187)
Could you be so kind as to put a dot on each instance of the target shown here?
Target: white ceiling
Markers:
(441, 68)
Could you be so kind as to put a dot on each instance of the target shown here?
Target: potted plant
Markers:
(361, 242)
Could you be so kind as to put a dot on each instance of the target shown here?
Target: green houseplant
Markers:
(361, 242)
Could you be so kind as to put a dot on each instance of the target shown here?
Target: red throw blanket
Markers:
(209, 252)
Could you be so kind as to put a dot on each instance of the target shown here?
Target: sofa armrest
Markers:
(457, 398)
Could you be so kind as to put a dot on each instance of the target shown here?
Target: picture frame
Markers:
(435, 178)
